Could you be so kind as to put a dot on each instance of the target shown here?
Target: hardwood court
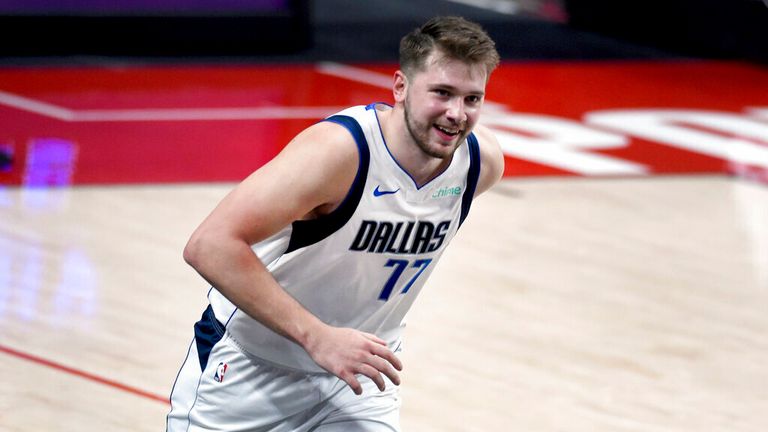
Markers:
(563, 304)
(627, 303)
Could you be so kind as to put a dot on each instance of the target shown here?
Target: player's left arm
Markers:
(491, 159)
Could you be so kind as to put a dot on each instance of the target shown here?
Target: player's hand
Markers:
(346, 352)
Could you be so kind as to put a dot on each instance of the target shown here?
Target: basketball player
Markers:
(316, 257)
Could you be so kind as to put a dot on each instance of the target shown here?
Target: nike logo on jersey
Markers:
(378, 193)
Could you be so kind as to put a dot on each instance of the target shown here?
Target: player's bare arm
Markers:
(491, 157)
(310, 177)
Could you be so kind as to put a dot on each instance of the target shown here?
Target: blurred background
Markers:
(310, 30)
(616, 279)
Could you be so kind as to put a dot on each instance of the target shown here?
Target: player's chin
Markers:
(443, 150)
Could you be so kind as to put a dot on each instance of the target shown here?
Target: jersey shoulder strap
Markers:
(472, 176)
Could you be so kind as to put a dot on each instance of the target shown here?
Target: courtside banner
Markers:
(173, 124)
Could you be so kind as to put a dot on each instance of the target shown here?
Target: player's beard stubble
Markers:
(420, 134)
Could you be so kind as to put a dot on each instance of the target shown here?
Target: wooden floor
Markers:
(563, 305)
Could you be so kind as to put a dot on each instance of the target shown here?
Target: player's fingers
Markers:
(352, 382)
(372, 373)
(389, 356)
(386, 368)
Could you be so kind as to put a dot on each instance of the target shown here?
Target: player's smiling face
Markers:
(442, 103)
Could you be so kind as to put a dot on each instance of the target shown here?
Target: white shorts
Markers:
(221, 388)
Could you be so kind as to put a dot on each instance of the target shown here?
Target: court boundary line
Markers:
(57, 112)
(347, 72)
(82, 374)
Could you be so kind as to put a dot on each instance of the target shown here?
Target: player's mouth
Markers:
(447, 133)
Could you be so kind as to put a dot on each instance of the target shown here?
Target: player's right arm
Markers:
(310, 177)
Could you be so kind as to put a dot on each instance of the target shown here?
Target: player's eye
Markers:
(474, 99)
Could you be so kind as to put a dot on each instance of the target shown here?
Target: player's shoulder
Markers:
(325, 159)
(491, 157)
(486, 138)
(329, 134)
(325, 142)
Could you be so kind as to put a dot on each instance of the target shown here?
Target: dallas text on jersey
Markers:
(400, 237)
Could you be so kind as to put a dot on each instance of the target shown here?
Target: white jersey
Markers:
(362, 265)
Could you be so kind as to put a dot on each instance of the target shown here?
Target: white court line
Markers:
(202, 114)
(174, 114)
(356, 74)
(758, 113)
(35, 106)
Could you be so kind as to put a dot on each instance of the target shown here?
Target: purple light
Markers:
(50, 162)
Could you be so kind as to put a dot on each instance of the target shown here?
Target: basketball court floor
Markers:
(616, 280)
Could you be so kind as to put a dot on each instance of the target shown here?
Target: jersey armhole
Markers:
(308, 232)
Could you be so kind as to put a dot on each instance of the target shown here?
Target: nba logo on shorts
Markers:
(220, 369)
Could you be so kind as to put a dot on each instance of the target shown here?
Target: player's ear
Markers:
(399, 86)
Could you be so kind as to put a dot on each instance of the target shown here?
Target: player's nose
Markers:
(455, 111)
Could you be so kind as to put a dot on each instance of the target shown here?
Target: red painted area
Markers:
(48, 147)
(570, 89)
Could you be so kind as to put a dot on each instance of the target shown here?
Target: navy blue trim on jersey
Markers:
(372, 105)
(208, 332)
(308, 232)
(472, 176)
